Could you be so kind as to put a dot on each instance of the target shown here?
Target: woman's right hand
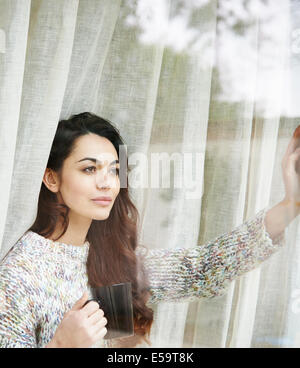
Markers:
(81, 327)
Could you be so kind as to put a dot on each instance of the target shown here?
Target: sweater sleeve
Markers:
(17, 304)
(184, 274)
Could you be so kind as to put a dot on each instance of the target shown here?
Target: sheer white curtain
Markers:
(214, 78)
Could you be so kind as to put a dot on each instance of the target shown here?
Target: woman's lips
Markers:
(102, 202)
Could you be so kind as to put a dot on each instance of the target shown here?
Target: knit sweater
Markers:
(40, 280)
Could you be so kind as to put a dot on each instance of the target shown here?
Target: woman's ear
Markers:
(51, 180)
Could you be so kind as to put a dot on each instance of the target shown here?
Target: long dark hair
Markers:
(112, 258)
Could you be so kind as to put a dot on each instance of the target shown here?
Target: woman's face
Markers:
(83, 180)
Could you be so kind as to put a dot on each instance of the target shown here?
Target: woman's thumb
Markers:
(80, 302)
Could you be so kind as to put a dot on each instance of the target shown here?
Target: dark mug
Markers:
(116, 303)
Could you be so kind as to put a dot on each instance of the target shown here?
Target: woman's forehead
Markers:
(95, 147)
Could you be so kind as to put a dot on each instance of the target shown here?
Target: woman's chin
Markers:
(103, 216)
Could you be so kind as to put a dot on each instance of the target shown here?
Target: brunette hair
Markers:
(112, 258)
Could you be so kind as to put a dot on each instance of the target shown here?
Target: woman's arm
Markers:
(184, 274)
(280, 216)
(204, 271)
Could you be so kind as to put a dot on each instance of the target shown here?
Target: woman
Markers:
(79, 241)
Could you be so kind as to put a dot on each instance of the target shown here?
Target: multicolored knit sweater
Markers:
(40, 280)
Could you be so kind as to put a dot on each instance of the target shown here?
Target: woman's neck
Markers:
(75, 234)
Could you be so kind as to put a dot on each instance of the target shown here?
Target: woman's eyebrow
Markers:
(95, 160)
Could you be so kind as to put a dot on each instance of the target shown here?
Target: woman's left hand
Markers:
(291, 170)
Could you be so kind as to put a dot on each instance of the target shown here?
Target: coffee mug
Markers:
(116, 303)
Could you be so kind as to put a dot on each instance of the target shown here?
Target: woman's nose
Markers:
(102, 179)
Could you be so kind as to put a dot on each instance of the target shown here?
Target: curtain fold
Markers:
(48, 51)
(14, 20)
(213, 79)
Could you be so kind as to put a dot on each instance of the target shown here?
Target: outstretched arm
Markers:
(205, 271)
(182, 274)
(280, 216)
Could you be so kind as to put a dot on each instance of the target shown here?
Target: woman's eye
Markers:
(88, 169)
(116, 171)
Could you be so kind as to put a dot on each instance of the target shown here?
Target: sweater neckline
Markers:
(75, 251)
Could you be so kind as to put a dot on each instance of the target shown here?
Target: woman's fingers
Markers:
(90, 308)
(100, 328)
(102, 332)
(293, 145)
(297, 132)
(97, 317)
(100, 324)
